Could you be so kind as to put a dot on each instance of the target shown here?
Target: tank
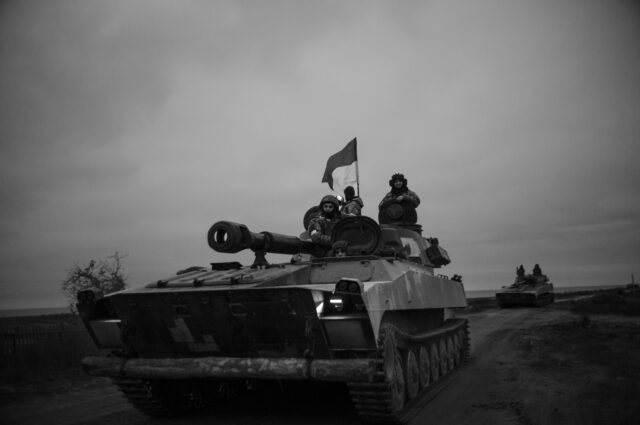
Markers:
(368, 312)
(527, 290)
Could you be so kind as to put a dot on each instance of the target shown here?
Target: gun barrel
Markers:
(230, 237)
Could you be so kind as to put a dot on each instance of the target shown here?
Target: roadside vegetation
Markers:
(39, 348)
(103, 276)
(614, 301)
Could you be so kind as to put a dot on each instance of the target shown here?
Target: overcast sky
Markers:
(132, 126)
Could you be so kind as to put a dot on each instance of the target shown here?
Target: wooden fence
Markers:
(34, 346)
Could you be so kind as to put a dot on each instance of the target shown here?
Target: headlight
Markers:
(337, 303)
(346, 298)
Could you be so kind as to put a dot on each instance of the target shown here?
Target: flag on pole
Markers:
(342, 169)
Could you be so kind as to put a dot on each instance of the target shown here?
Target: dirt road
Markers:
(500, 385)
(496, 388)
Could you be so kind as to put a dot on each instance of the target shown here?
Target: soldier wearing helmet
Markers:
(400, 192)
(353, 205)
(321, 225)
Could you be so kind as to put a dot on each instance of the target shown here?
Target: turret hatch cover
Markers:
(361, 233)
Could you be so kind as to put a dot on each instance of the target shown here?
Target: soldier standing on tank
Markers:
(321, 225)
(400, 192)
(519, 275)
(537, 271)
(353, 205)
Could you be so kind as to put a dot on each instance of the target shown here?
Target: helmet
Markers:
(398, 176)
(332, 199)
(349, 192)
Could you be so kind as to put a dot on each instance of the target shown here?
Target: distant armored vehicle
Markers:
(528, 290)
(367, 311)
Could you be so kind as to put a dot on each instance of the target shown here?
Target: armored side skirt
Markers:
(352, 370)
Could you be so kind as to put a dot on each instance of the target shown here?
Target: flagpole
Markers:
(357, 173)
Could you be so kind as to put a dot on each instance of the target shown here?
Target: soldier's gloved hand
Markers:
(315, 236)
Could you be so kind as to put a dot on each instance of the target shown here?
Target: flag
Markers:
(342, 168)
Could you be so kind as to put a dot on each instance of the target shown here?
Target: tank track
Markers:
(160, 398)
(409, 368)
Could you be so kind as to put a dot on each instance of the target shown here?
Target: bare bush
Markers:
(106, 276)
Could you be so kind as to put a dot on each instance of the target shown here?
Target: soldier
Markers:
(353, 205)
(537, 271)
(400, 192)
(321, 225)
(520, 271)
(340, 249)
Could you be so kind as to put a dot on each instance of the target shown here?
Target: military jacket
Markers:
(409, 196)
(353, 207)
(320, 229)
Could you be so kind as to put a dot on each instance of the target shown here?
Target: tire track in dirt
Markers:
(492, 388)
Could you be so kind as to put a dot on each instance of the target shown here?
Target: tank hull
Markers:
(268, 313)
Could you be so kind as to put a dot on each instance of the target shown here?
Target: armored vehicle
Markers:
(368, 311)
(527, 290)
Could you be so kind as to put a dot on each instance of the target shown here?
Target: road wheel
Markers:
(394, 372)
(457, 348)
(412, 376)
(451, 353)
(434, 355)
(444, 361)
(424, 367)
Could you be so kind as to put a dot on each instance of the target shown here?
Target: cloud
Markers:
(134, 126)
